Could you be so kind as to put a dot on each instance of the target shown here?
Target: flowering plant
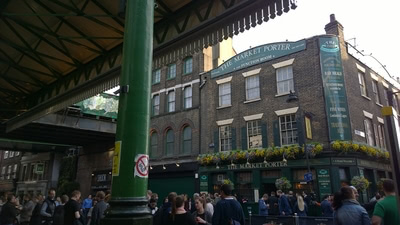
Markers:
(361, 183)
(283, 183)
(348, 146)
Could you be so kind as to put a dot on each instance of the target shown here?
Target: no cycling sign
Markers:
(141, 166)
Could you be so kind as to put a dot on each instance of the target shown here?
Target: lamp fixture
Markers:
(265, 160)
(232, 164)
(163, 167)
(177, 165)
(292, 97)
(151, 167)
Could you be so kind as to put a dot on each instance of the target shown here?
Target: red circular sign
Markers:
(142, 165)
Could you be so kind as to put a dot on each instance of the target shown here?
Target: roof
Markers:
(56, 53)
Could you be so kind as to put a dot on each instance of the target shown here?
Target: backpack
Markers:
(58, 217)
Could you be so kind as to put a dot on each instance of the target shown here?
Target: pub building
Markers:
(289, 109)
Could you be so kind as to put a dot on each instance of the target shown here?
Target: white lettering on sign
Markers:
(141, 166)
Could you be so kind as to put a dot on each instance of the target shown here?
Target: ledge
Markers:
(283, 94)
(366, 97)
(254, 100)
(225, 106)
(378, 104)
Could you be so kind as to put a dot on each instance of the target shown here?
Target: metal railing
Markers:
(289, 220)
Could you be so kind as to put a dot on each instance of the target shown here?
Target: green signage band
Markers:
(334, 89)
(258, 55)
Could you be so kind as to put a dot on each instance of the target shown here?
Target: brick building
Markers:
(251, 118)
(9, 170)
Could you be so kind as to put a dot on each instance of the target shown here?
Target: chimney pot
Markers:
(332, 17)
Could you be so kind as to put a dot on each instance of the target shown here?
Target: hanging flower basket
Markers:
(360, 183)
(283, 183)
(344, 147)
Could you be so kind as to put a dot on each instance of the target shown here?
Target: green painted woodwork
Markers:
(277, 135)
(134, 110)
(256, 184)
(354, 171)
(313, 162)
(300, 130)
(244, 138)
(286, 172)
(180, 185)
(324, 182)
(335, 177)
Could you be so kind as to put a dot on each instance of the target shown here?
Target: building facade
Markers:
(9, 168)
(307, 110)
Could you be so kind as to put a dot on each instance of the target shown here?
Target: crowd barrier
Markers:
(289, 220)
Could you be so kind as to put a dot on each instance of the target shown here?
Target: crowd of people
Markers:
(222, 208)
(52, 210)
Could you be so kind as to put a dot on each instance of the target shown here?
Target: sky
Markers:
(373, 26)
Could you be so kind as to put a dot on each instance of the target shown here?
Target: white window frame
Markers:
(225, 137)
(289, 81)
(9, 172)
(369, 131)
(255, 88)
(257, 135)
(17, 153)
(6, 154)
(187, 99)
(171, 71)
(156, 76)
(385, 93)
(11, 154)
(188, 65)
(221, 88)
(155, 106)
(292, 130)
(171, 99)
(363, 86)
(381, 135)
(376, 91)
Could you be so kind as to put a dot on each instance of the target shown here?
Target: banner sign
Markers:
(258, 55)
(324, 182)
(100, 105)
(334, 89)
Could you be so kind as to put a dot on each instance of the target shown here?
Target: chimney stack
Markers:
(334, 27)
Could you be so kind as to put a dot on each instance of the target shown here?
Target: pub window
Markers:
(298, 174)
(171, 71)
(369, 133)
(155, 105)
(271, 173)
(243, 186)
(188, 65)
(361, 81)
(344, 175)
(225, 138)
(170, 143)
(376, 91)
(254, 134)
(252, 87)
(156, 76)
(171, 101)
(284, 80)
(288, 129)
(381, 174)
(224, 94)
(218, 180)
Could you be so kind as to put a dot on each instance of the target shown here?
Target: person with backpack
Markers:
(48, 207)
(228, 210)
(59, 211)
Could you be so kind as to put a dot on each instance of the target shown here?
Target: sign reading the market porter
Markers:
(258, 55)
(334, 89)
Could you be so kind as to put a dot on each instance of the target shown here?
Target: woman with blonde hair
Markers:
(300, 207)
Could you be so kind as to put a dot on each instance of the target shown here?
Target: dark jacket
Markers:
(59, 215)
(162, 213)
(326, 208)
(262, 208)
(8, 213)
(207, 215)
(298, 211)
(273, 205)
(98, 212)
(227, 209)
(48, 209)
(36, 218)
(284, 206)
(351, 213)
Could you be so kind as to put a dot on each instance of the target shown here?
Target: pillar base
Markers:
(128, 211)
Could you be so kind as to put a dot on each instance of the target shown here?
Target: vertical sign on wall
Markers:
(204, 183)
(334, 89)
(324, 182)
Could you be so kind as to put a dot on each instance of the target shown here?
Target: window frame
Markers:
(252, 88)
(259, 133)
(287, 130)
(154, 106)
(381, 135)
(156, 74)
(186, 65)
(169, 74)
(289, 79)
(369, 133)
(169, 142)
(152, 145)
(6, 153)
(171, 103)
(11, 154)
(220, 95)
(185, 97)
(187, 140)
(362, 83)
(386, 95)
(375, 90)
(225, 140)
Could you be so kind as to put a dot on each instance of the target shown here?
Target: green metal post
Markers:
(128, 203)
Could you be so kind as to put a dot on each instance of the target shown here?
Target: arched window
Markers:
(187, 140)
(153, 144)
(169, 150)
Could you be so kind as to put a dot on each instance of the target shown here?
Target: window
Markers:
(171, 101)
(3, 172)
(187, 140)
(17, 154)
(6, 154)
(9, 172)
(288, 129)
(254, 137)
(187, 97)
(385, 93)
(376, 91)
(284, 80)
(395, 104)
(153, 144)
(171, 71)
(156, 76)
(15, 171)
(188, 65)
(369, 132)
(361, 80)
(252, 87)
(170, 143)
(156, 105)
(11, 154)
(243, 186)
(225, 94)
(381, 135)
(225, 138)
